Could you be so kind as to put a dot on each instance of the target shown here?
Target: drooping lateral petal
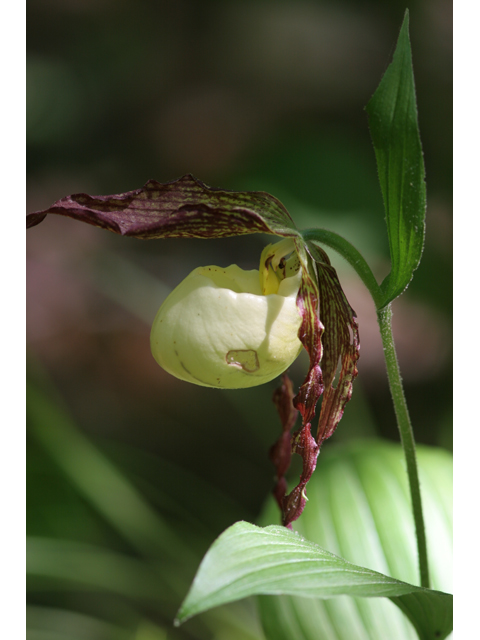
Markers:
(184, 208)
(340, 344)
(305, 445)
(281, 451)
(302, 442)
(310, 335)
(336, 398)
(326, 342)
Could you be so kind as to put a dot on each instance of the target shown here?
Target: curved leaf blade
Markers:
(393, 122)
(249, 560)
(359, 508)
(183, 208)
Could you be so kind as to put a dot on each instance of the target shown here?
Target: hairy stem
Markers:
(406, 435)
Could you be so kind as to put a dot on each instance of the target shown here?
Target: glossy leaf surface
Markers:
(359, 508)
(248, 560)
(393, 122)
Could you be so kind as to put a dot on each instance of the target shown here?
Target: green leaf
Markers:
(249, 560)
(393, 122)
(359, 509)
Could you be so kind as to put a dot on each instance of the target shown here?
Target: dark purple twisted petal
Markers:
(283, 400)
(305, 445)
(310, 335)
(184, 208)
(302, 442)
(333, 340)
(281, 451)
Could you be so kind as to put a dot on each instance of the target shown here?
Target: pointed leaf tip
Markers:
(393, 123)
(248, 560)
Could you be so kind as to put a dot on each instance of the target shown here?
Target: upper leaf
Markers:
(184, 208)
(248, 560)
(395, 134)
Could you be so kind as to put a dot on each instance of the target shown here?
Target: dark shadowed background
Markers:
(245, 95)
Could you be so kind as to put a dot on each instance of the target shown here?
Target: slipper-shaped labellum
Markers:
(231, 328)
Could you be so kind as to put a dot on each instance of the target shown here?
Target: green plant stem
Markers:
(406, 435)
(352, 255)
(384, 314)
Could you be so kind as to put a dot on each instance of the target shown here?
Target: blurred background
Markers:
(132, 473)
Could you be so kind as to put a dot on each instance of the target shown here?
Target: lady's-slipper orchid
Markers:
(224, 327)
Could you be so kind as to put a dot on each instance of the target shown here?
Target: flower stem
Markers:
(406, 435)
(352, 255)
(384, 314)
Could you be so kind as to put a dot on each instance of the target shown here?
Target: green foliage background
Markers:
(245, 95)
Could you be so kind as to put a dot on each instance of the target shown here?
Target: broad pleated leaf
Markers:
(392, 116)
(249, 560)
(359, 509)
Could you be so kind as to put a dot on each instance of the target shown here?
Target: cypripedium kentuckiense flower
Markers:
(225, 327)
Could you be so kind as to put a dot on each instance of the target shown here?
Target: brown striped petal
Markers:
(184, 208)
(341, 345)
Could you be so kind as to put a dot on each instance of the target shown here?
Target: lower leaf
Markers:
(359, 508)
(249, 560)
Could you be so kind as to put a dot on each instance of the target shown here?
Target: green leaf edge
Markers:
(391, 288)
(204, 593)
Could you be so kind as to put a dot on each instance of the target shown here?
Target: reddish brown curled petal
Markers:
(283, 400)
(304, 444)
(310, 335)
(184, 208)
(329, 342)
(341, 347)
(335, 399)
(281, 451)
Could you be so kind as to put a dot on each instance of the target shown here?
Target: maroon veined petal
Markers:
(281, 451)
(335, 398)
(329, 342)
(184, 208)
(341, 346)
(310, 335)
(302, 442)
(305, 445)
